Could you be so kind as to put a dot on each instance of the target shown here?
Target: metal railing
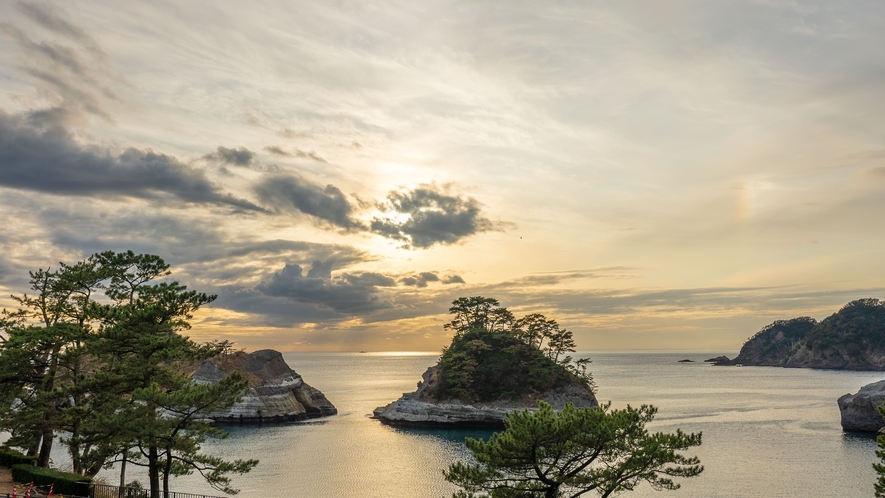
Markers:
(108, 491)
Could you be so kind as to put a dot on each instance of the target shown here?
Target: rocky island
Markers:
(495, 365)
(851, 339)
(276, 392)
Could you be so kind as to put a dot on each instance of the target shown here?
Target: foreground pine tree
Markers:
(106, 372)
(551, 455)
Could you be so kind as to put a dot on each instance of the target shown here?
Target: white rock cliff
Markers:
(276, 393)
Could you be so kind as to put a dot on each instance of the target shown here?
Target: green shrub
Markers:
(65, 482)
(10, 457)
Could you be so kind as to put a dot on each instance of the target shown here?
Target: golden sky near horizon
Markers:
(650, 174)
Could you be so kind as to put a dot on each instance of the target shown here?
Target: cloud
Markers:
(423, 278)
(347, 293)
(275, 149)
(53, 21)
(420, 280)
(434, 217)
(75, 74)
(290, 133)
(50, 160)
(257, 309)
(561, 276)
(236, 157)
(310, 155)
(327, 204)
(453, 279)
(197, 243)
(56, 53)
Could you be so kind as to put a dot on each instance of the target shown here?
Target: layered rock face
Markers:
(419, 409)
(859, 411)
(276, 393)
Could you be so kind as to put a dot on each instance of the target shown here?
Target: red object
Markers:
(51, 490)
(28, 492)
(13, 491)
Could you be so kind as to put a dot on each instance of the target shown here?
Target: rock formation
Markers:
(719, 361)
(276, 393)
(859, 411)
(420, 409)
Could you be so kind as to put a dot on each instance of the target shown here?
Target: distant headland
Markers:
(853, 338)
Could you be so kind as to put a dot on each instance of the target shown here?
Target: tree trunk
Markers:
(46, 447)
(74, 448)
(166, 471)
(74, 441)
(34, 450)
(154, 471)
(123, 473)
(49, 412)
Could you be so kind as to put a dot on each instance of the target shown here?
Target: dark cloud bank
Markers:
(293, 295)
(345, 293)
(48, 159)
(38, 155)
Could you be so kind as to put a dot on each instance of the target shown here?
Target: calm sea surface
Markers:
(767, 432)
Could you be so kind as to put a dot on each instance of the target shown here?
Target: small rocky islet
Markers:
(276, 392)
(422, 408)
(494, 366)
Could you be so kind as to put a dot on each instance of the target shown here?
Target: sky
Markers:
(652, 175)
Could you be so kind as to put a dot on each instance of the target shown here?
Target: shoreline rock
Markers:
(858, 411)
(276, 392)
(419, 409)
(719, 361)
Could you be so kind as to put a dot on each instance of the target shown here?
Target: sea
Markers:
(767, 432)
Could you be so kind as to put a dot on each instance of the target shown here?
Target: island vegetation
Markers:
(495, 356)
(95, 354)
